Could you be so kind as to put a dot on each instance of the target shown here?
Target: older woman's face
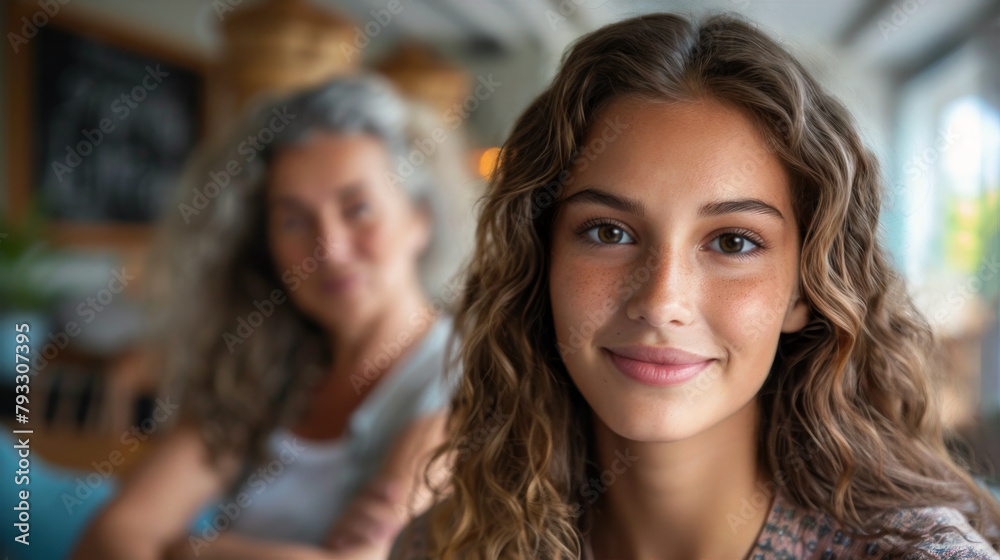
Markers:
(676, 232)
(345, 240)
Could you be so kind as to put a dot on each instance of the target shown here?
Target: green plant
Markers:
(22, 252)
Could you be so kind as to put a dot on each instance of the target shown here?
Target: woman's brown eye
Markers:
(731, 243)
(610, 234)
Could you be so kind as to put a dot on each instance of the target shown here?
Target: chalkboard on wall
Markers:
(112, 128)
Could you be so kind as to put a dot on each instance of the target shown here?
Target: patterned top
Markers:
(792, 532)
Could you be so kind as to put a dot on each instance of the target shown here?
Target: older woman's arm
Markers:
(370, 524)
(238, 547)
(157, 502)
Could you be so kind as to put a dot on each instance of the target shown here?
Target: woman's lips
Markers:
(336, 286)
(659, 375)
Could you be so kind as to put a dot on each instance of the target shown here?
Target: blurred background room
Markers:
(104, 100)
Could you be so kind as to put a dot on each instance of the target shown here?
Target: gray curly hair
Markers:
(210, 268)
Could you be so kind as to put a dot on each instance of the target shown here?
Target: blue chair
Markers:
(61, 503)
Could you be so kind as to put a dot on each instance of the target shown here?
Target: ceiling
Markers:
(857, 41)
(497, 26)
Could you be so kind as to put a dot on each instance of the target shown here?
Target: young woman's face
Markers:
(345, 240)
(675, 231)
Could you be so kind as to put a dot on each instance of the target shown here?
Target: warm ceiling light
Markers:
(488, 161)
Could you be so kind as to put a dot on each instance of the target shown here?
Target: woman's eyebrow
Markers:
(750, 205)
(631, 205)
(351, 189)
(618, 202)
(344, 193)
(286, 201)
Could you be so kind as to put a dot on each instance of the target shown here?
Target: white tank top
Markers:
(298, 494)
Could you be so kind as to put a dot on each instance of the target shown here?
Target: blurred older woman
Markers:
(309, 354)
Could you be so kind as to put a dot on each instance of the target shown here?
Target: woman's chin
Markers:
(650, 427)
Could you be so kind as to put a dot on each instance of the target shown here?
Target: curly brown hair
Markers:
(849, 398)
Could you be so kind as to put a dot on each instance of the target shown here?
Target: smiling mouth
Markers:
(657, 375)
(336, 286)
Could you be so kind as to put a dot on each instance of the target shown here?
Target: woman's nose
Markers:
(334, 239)
(664, 287)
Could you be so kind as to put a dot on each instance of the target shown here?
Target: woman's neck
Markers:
(399, 323)
(361, 362)
(696, 498)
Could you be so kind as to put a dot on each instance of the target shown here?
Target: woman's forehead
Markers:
(702, 150)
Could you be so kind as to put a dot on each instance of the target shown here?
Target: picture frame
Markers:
(101, 120)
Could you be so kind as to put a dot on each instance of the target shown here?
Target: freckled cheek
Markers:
(747, 315)
(581, 293)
